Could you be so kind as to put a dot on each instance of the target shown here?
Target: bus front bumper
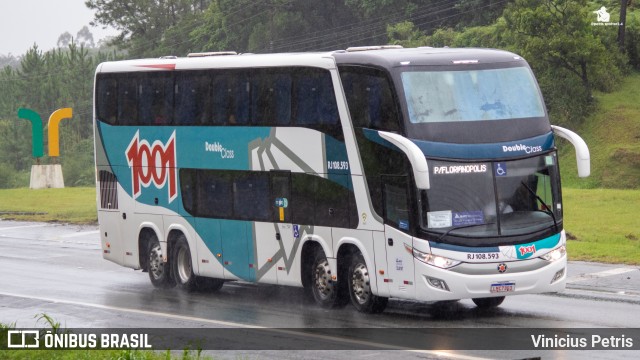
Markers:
(471, 280)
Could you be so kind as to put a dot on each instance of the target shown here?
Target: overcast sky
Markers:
(25, 22)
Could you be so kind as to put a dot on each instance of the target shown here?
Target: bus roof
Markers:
(387, 58)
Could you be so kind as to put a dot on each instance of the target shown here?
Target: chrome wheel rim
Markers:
(156, 267)
(322, 278)
(360, 283)
(183, 262)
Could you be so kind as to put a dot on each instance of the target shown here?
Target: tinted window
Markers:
(231, 98)
(127, 101)
(106, 100)
(271, 97)
(370, 98)
(251, 196)
(215, 194)
(155, 100)
(192, 99)
(315, 102)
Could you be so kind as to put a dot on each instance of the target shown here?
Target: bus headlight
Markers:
(435, 260)
(555, 254)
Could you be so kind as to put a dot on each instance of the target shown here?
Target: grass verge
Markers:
(72, 205)
(603, 225)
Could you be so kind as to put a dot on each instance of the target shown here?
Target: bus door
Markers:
(285, 234)
(398, 241)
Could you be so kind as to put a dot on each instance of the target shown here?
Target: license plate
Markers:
(503, 287)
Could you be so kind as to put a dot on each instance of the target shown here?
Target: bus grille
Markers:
(108, 190)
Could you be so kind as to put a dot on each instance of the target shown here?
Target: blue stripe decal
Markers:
(487, 151)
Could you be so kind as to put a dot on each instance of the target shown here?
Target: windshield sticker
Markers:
(460, 169)
(439, 219)
(403, 224)
(548, 160)
(501, 169)
(464, 218)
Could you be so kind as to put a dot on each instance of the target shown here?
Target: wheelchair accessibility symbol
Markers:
(501, 169)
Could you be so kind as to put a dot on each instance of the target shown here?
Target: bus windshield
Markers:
(471, 95)
(492, 199)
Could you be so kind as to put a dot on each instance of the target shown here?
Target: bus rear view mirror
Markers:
(582, 150)
(415, 155)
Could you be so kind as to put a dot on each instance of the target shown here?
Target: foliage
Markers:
(45, 82)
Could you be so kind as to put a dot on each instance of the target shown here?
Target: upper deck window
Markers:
(471, 95)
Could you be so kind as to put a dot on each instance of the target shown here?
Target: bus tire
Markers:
(323, 288)
(360, 287)
(488, 303)
(159, 271)
(182, 270)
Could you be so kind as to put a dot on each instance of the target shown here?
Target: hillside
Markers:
(613, 136)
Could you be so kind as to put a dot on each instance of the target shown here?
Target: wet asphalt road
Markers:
(58, 270)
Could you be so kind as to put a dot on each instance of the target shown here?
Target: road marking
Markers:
(22, 227)
(601, 274)
(239, 325)
(82, 233)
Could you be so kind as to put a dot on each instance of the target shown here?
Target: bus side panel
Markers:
(110, 237)
(236, 251)
(268, 251)
(209, 247)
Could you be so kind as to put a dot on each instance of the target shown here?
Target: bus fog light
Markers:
(557, 276)
(435, 260)
(437, 283)
(556, 254)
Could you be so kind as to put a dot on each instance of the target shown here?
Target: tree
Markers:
(558, 34)
(85, 38)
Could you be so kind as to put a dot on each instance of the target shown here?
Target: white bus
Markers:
(360, 175)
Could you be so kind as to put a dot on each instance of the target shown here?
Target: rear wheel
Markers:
(488, 303)
(323, 288)
(182, 270)
(360, 287)
(159, 271)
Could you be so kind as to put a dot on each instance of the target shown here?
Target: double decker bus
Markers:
(360, 175)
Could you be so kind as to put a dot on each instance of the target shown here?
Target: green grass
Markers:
(613, 136)
(69, 205)
(604, 223)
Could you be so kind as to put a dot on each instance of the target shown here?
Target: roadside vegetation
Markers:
(69, 205)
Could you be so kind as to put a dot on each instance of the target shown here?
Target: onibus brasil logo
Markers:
(153, 164)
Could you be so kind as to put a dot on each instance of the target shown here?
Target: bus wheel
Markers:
(183, 270)
(360, 287)
(323, 288)
(488, 303)
(159, 271)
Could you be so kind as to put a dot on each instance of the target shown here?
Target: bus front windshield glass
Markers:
(463, 201)
(471, 95)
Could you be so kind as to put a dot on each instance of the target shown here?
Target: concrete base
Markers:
(46, 176)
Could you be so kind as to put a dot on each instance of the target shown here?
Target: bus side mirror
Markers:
(582, 150)
(416, 157)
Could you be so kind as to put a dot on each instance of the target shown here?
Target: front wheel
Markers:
(360, 287)
(488, 303)
(159, 271)
(182, 270)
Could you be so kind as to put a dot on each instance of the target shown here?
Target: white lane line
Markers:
(601, 274)
(82, 233)
(239, 325)
(22, 227)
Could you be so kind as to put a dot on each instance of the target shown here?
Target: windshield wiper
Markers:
(458, 228)
(549, 211)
